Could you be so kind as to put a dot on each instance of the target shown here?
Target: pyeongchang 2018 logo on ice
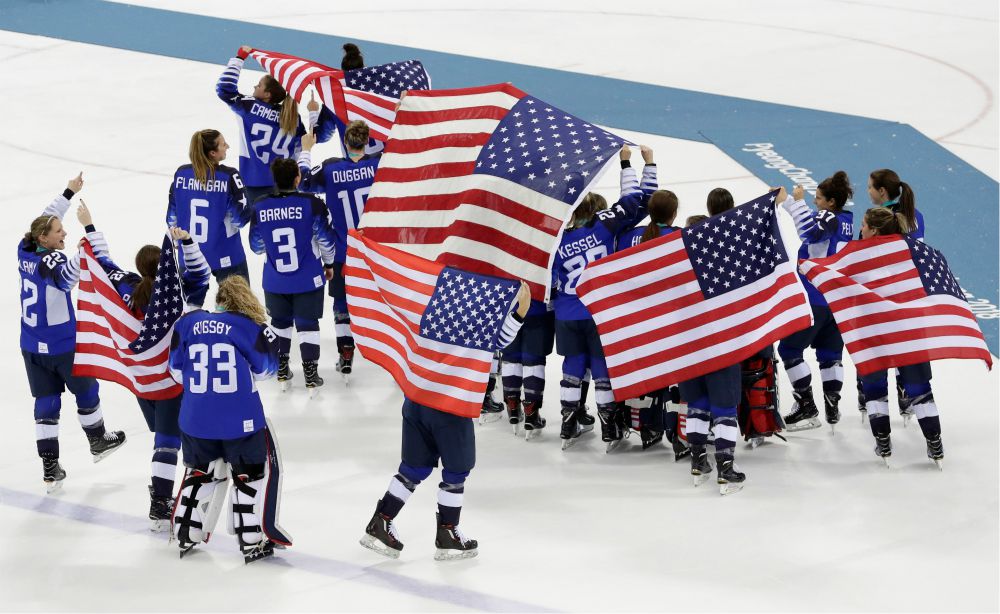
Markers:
(772, 159)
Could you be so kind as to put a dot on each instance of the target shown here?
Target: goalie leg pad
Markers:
(246, 504)
(199, 503)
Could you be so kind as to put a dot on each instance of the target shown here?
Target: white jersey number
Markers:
(224, 363)
(31, 319)
(359, 204)
(285, 240)
(575, 265)
(263, 146)
(199, 223)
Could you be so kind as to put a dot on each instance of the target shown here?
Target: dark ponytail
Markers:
(897, 190)
(719, 201)
(147, 260)
(837, 188)
(352, 57)
(662, 210)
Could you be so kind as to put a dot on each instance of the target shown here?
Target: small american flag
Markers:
(695, 301)
(434, 328)
(484, 179)
(369, 94)
(112, 343)
(896, 303)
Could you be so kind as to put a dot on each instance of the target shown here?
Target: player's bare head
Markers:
(235, 295)
(836, 189)
(719, 201)
(356, 135)
(880, 221)
(207, 149)
(694, 220)
(285, 171)
(271, 91)
(588, 208)
(46, 231)
(352, 57)
(662, 210)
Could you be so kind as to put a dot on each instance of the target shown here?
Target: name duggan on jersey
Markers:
(352, 174)
(206, 327)
(190, 183)
(284, 213)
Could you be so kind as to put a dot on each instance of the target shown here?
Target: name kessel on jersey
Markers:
(579, 247)
(206, 327)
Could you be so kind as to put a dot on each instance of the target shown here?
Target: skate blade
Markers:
(489, 417)
(376, 546)
(568, 443)
(53, 487)
(454, 555)
(161, 525)
(939, 463)
(285, 385)
(314, 392)
(805, 425)
(755, 442)
(864, 415)
(906, 420)
(678, 456)
(516, 426)
(346, 378)
(530, 434)
(700, 478)
(833, 429)
(185, 550)
(885, 460)
(257, 555)
(730, 488)
(103, 455)
(614, 445)
(585, 428)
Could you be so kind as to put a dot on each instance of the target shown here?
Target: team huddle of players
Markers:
(299, 216)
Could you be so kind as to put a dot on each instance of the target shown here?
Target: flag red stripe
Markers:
(429, 143)
(441, 170)
(459, 228)
(118, 378)
(478, 198)
(902, 359)
(651, 311)
(93, 349)
(421, 118)
(902, 314)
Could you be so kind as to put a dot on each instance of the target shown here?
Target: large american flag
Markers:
(483, 179)
(896, 303)
(112, 343)
(433, 327)
(369, 94)
(696, 300)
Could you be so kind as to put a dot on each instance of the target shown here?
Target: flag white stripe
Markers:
(916, 323)
(465, 212)
(521, 269)
(441, 155)
(419, 104)
(927, 302)
(403, 132)
(885, 292)
(915, 345)
(110, 364)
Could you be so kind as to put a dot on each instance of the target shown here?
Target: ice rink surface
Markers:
(821, 524)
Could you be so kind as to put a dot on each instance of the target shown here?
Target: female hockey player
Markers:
(207, 197)
(430, 435)
(719, 201)
(161, 415)
(824, 233)
(218, 356)
(48, 334)
(293, 229)
(914, 380)
(345, 183)
(270, 125)
(590, 236)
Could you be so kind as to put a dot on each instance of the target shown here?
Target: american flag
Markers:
(369, 94)
(433, 327)
(483, 179)
(896, 303)
(696, 300)
(112, 343)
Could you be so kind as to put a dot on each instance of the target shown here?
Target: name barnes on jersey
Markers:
(205, 327)
(280, 213)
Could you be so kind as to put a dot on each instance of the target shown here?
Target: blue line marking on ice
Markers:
(959, 203)
(331, 568)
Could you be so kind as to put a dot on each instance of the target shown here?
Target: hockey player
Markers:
(590, 236)
(208, 198)
(161, 414)
(824, 233)
(48, 334)
(523, 368)
(345, 183)
(270, 125)
(914, 380)
(293, 229)
(430, 435)
(218, 356)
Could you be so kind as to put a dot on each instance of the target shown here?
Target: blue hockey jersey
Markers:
(345, 184)
(212, 212)
(823, 233)
(293, 229)
(194, 279)
(218, 357)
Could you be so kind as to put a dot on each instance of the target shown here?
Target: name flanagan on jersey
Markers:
(578, 247)
(211, 326)
(212, 185)
(284, 213)
(353, 174)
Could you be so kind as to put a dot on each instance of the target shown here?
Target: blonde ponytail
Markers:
(202, 143)
(234, 295)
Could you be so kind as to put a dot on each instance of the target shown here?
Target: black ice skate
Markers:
(255, 552)
(804, 414)
(861, 402)
(52, 474)
(649, 438)
(701, 469)
(380, 536)
(584, 418)
(905, 403)
(514, 414)
(570, 428)
(680, 447)
(730, 478)
(161, 509)
(345, 362)
(883, 447)
(452, 544)
(284, 373)
(310, 370)
(533, 420)
(492, 411)
(831, 402)
(935, 451)
(611, 427)
(103, 445)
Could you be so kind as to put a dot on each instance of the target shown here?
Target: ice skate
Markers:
(491, 411)
(160, 512)
(905, 403)
(570, 429)
(380, 536)
(452, 545)
(261, 550)
(804, 415)
(345, 363)
(755, 442)
(883, 448)
(680, 447)
(284, 373)
(861, 403)
(52, 475)
(611, 427)
(533, 421)
(103, 445)
(831, 402)
(935, 451)
(701, 469)
(514, 414)
(310, 370)
(730, 478)
(585, 419)
(649, 438)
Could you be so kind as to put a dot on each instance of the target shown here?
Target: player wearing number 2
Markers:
(345, 182)
(294, 230)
